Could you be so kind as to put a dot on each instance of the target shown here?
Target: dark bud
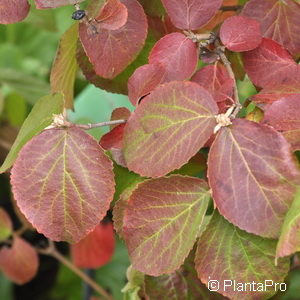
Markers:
(78, 14)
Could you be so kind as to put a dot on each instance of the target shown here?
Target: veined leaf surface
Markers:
(225, 253)
(168, 128)
(253, 176)
(162, 220)
(283, 115)
(63, 183)
(191, 14)
(279, 21)
(111, 51)
(270, 64)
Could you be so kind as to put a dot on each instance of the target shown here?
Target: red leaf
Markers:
(240, 33)
(113, 139)
(144, 80)
(20, 262)
(162, 221)
(168, 128)
(270, 94)
(279, 21)
(120, 113)
(270, 64)
(96, 249)
(41, 4)
(63, 183)
(111, 51)
(6, 226)
(191, 14)
(215, 79)
(177, 54)
(113, 15)
(283, 115)
(12, 11)
(252, 174)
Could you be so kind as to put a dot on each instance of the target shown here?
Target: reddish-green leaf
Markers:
(177, 54)
(270, 64)
(166, 287)
(289, 241)
(12, 11)
(162, 220)
(168, 128)
(65, 66)
(113, 15)
(215, 79)
(111, 51)
(20, 262)
(144, 80)
(5, 225)
(252, 174)
(96, 249)
(191, 14)
(239, 33)
(225, 253)
(121, 204)
(283, 115)
(279, 20)
(63, 183)
(41, 4)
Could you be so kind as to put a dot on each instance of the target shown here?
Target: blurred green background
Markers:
(27, 51)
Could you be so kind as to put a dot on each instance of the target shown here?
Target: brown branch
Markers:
(230, 8)
(220, 50)
(51, 251)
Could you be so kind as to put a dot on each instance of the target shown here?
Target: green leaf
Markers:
(228, 258)
(27, 86)
(134, 284)
(65, 66)
(6, 227)
(15, 109)
(40, 117)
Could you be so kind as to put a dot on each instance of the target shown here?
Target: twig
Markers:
(51, 251)
(61, 121)
(220, 51)
(230, 8)
(95, 125)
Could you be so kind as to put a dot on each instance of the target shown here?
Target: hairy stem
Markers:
(52, 251)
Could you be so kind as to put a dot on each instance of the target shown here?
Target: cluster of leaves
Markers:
(63, 181)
